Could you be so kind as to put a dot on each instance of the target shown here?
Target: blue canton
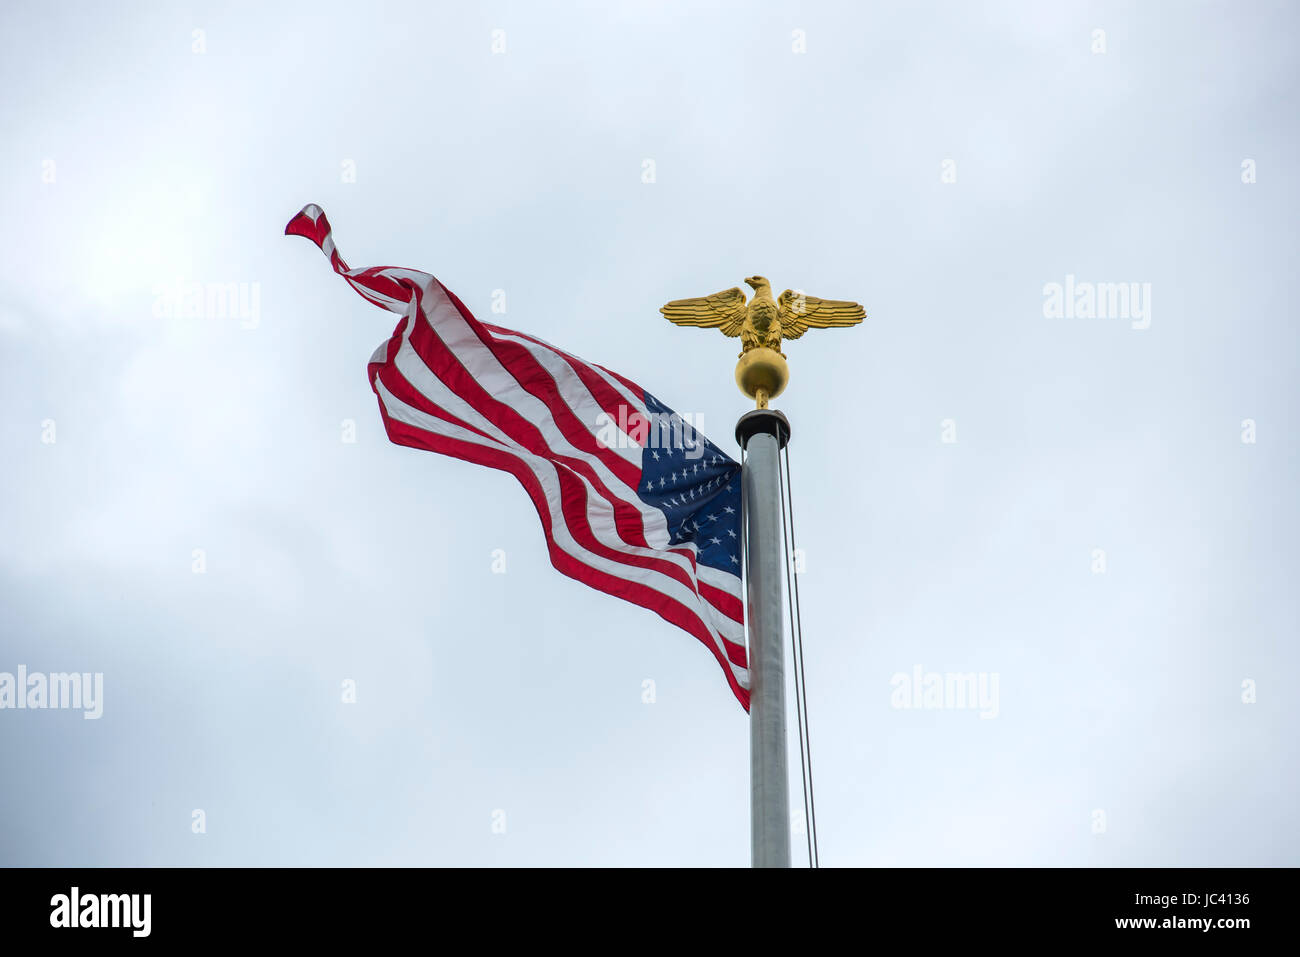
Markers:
(697, 487)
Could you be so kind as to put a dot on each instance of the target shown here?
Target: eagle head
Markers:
(756, 282)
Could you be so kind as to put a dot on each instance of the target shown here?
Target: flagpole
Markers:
(762, 374)
(762, 434)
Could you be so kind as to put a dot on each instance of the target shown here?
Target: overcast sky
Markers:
(964, 462)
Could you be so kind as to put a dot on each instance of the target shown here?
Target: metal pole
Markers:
(763, 433)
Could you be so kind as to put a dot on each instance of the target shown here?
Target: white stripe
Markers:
(727, 581)
(382, 299)
(619, 387)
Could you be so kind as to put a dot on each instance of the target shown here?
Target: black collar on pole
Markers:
(766, 421)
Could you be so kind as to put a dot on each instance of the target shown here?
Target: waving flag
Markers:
(632, 499)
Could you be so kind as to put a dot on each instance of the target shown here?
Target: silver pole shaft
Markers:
(769, 789)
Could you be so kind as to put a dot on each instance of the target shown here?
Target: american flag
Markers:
(633, 500)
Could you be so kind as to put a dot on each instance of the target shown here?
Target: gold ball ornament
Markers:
(762, 374)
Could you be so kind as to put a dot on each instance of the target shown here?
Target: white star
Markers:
(655, 454)
(716, 541)
(731, 532)
(728, 509)
(734, 561)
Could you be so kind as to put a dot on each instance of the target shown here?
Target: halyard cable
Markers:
(812, 802)
(744, 550)
(786, 542)
(744, 564)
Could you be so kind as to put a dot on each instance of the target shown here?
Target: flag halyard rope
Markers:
(796, 649)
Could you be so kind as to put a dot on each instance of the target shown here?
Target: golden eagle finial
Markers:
(761, 325)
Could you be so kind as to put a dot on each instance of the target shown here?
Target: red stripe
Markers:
(314, 229)
(400, 289)
(724, 601)
(627, 382)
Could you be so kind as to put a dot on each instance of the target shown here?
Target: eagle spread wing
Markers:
(725, 310)
(800, 313)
